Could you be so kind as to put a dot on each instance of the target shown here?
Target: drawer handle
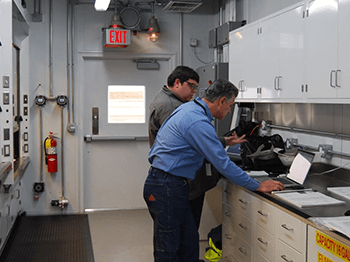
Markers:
(241, 249)
(285, 227)
(262, 213)
(284, 257)
(228, 236)
(227, 214)
(262, 241)
(227, 192)
(242, 201)
(227, 259)
(242, 226)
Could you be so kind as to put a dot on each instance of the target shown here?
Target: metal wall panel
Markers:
(276, 114)
(288, 114)
(346, 119)
(303, 116)
(323, 117)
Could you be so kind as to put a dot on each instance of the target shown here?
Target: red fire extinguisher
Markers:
(50, 145)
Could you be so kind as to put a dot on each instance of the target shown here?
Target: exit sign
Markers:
(116, 37)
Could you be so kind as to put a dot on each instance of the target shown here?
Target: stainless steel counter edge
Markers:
(289, 209)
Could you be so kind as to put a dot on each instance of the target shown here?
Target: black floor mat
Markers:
(60, 238)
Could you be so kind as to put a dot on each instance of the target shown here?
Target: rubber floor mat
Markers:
(59, 238)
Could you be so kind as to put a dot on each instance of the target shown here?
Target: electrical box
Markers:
(220, 35)
(208, 74)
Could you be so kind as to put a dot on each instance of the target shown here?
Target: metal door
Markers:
(114, 169)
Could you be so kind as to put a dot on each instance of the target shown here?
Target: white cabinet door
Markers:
(244, 64)
(236, 49)
(292, 46)
(269, 57)
(343, 76)
(321, 48)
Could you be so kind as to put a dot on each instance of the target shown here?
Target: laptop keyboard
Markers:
(283, 180)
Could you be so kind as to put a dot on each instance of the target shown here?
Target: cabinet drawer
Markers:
(259, 258)
(264, 242)
(227, 256)
(290, 230)
(263, 214)
(236, 245)
(238, 199)
(241, 225)
(284, 253)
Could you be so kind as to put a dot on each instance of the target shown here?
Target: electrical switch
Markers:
(193, 42)
(7, 150)
(6, 134)
(6, 98)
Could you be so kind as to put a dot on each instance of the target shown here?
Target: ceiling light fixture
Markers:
(153, 27)
(101, 5)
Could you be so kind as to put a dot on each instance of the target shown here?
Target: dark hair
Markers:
(183, 73)
(220, 88)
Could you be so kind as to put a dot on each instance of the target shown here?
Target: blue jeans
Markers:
(175, 235)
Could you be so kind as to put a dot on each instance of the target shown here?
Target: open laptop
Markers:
(298, 171)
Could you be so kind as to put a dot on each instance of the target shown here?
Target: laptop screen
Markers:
(300, 167)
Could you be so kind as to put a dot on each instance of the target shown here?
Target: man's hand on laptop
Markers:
(270, 185)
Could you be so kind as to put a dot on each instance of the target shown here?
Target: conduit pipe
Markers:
(70, 64)
(180, 40)
(50, 51)
(62, 156)
(41, 144)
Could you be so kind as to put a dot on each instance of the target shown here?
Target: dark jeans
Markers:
(175, 237)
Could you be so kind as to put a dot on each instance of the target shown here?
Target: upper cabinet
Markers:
(299, 54)
(244, 63)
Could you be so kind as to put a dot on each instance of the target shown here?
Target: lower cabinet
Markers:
(259, 232)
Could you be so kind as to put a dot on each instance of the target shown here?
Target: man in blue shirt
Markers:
(182, 143)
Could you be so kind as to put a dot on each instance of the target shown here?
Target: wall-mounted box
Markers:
(212, 38)
(220, 35)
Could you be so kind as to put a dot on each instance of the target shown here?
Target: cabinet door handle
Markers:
(242, 226)
(242, 201)
(262, 241)
(228, 236)
(275, 84)
(306, 88)
(331, 79)
(227, 259)
(229, 193)
(262, 213)
(285, 227)
(302, 88)
(336, 78)
(278, 83)
(243, 88)
(227, 214)
(241, 249)
(284, 257)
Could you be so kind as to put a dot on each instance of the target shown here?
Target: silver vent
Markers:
(182, 6)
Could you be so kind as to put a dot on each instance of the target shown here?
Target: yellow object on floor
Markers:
(213, 254)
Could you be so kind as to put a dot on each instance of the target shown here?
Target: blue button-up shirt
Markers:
(186, 138)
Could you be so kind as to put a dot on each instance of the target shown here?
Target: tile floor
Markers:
(124, 235)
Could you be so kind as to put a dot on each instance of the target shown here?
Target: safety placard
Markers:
(333, 246)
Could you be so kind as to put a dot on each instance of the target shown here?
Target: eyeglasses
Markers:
(192, 86)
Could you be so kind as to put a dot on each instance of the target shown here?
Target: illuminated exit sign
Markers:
(116, 37)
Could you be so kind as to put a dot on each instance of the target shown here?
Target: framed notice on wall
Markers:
(126, 104)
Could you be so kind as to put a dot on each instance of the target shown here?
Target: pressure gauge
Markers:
(62, 100)
(40, 100)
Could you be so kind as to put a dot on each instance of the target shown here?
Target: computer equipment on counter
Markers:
(298, 171)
